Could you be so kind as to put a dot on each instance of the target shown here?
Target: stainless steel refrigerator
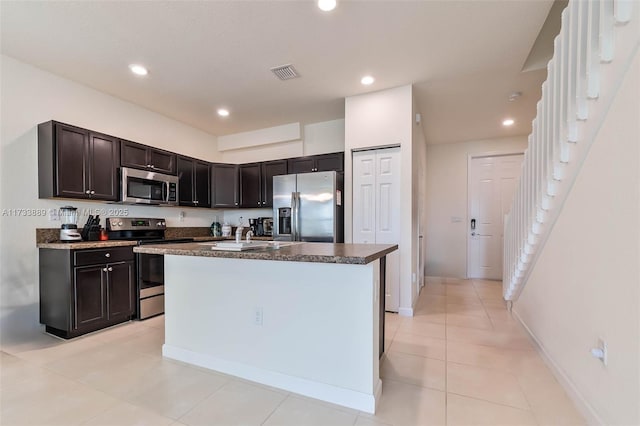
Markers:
(308, 207)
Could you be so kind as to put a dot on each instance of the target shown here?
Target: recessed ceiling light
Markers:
(508, 122)
(222, 112)
(367, 80)
(327, 5)
(138, 69)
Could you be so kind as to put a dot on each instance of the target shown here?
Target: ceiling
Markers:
(464, 57)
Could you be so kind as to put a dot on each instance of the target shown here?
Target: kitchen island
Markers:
(303, 317)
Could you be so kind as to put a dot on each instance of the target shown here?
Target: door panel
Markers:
(185, 183)
(376, 213)
(121, 290)
(316, 215)
(269, 170)
(283, 187)
(250, 185)
(104, 159)
(492, 181)
(72, 154)
(162, 161)
(89, 295)
(202, 178)
(364, 199)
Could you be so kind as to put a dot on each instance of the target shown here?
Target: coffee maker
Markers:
(69, 229)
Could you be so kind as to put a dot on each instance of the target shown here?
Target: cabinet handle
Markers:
(258, 202)
(110, 268)
(93, 192)
(107, 255)
(236, 204)
(104, 269)
(87, 192)
(195, 201)
(153, 167)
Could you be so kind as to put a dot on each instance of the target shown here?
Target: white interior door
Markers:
(492, 182)
(376, 213)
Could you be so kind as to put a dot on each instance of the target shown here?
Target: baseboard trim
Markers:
(405, 312)
(322, 391)
(586, 409)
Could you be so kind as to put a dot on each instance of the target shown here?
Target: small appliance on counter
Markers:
(254, 225)
(92, 229)
(69, 229)
(267, 226)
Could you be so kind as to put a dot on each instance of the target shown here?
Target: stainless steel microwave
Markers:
(141, 187)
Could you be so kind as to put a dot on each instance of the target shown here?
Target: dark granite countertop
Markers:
(59, 245)
(356, 254)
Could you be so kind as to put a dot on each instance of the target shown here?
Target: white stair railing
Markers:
(596, 44)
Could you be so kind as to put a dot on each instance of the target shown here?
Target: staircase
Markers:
(596, 44)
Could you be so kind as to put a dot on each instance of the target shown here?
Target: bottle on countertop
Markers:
(226, 229)
(239, 230)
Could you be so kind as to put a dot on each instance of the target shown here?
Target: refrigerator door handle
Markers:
(294, 206)
(296, 217)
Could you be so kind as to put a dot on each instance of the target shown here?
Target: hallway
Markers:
(463, 360)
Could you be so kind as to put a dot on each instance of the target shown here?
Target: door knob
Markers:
(107, 255)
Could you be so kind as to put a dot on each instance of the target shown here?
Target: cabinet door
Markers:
(224, 185)
(301, 165)
(185, 185)
(162, 161)
(120, 290)
(72, 152)
(330, 162)
(103, 167)
(89, 291)
(202, 191)
(269, 170)
(133, 155)
(250, 185)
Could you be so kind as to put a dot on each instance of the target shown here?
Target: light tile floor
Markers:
(461, 360)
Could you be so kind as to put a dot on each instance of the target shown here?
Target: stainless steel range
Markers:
(149, 267)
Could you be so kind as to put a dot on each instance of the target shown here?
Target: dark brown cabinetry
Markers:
(224, 185)
(195, 182)
(145, 157)
(256, 182)
(77, 163)
(85, 290)
(317, 163)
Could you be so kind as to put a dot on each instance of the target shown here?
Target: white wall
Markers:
(586, 282)
(30, 96)
(379, 119)
(317, 138)
(446, 188)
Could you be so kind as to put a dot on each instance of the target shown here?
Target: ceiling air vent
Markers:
(285, 72)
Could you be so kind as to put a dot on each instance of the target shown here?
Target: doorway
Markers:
(492, 184)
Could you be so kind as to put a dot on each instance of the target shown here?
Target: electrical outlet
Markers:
(181, 216)
(413, 277)
(53, 215)
(257, 315)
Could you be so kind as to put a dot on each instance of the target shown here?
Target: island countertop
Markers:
(356, 254)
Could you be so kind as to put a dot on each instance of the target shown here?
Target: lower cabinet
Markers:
(86, 290)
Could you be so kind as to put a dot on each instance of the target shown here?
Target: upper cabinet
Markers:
(145, 157)
(224, 185)
(77, 163)
(256, 182)
(194, 187)
(317, 163)
(269, 170)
